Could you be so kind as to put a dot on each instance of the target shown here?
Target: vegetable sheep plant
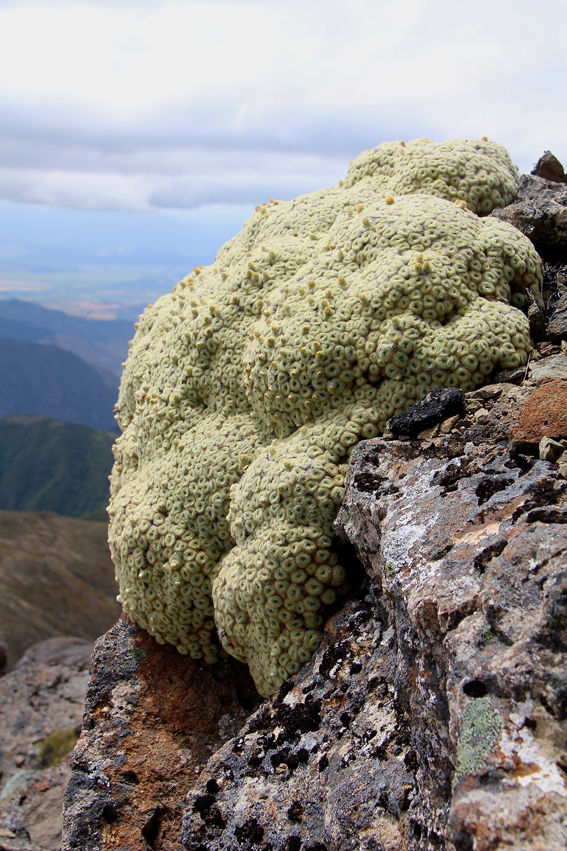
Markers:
(247, 387)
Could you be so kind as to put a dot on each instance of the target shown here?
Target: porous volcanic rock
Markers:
(438, 405)
(433, 716)
(540, 212)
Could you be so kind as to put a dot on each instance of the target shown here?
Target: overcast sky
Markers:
(114, 115)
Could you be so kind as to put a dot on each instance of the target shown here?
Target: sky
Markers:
(136, 137)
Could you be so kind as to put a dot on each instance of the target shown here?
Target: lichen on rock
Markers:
(480, 729)
(247, 387)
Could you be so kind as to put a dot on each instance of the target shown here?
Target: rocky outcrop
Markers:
(41, 704)
(549, 167)
(540, 212)
(469, 548)
(433, 715)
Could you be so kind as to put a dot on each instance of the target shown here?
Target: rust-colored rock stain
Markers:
(161, 720)
(544, 414)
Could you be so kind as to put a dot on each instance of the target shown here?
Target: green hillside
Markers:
(47, 381)
(48, 465)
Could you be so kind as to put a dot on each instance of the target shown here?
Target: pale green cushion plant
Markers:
(247, 387)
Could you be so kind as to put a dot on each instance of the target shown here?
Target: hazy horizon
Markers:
(136, 137)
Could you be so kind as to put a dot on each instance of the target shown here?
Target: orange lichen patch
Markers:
(544, 414)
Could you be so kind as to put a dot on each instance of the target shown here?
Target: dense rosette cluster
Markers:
(247, 387)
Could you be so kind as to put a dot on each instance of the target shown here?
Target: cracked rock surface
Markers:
(152, 719)
(540, 212)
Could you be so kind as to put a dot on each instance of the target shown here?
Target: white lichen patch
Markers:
(533, 767)
(399, 563)
(247, 387)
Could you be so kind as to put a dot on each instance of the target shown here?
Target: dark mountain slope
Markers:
(44, 380)
(13, 329)
(103, 343)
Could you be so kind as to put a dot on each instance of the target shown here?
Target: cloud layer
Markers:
(170, 105)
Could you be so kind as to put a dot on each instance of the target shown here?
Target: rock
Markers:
(327, 760)
(448, 425)
(440, 403)
(16, 782)
(152, 719)
(536, 317)
(544, 413)
(3, 658)
(544, 350)
(34, 814)
(432, 716)
(41, 707)
(540, 212)
(511, 376)
(557, 327)
(455, 587)
(549, 369)
(481, 416)
(74, 652)
(556, 279)
(550, 450)
(429, 433)
(550, 168)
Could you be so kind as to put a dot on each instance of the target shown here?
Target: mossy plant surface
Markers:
(247, 387)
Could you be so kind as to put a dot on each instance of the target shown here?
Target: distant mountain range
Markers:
(59, 378)
(60, 366)
(101, 342)
(48, 465)
(45, 380)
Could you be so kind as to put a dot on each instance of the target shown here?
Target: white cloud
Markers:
(185, 178)
(138, 105)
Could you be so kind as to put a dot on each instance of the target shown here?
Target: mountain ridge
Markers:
(57, 579)
(101, 342)
(46, 380)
